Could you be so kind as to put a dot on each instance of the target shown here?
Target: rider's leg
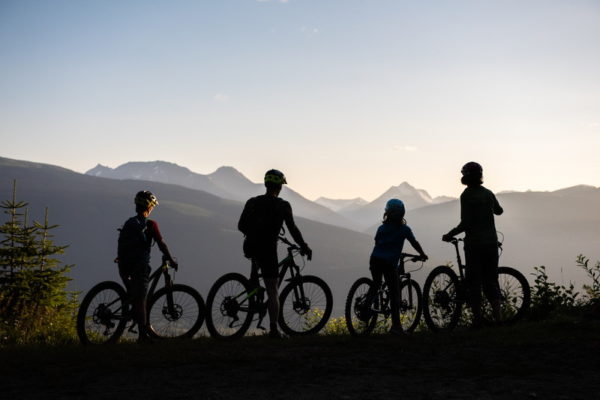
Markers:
(473, 278)
(139, 285)
(391, 278)
(491, 287)
(268, 265)
(272, 285)
(377, 276)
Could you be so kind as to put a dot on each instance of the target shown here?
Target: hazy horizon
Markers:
(347, 98)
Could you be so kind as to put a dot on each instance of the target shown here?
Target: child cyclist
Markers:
(389, 241)
(135, 242)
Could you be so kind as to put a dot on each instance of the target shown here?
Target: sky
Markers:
(346, 97)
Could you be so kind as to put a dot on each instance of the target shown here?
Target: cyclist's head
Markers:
(472, 174)
(144, 199)
(274, 179)
(394, 210)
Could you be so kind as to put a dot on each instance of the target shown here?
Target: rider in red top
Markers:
(135, 242)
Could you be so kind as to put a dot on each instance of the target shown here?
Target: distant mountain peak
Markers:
(227, 168)
(99, 170)
(405, 185)
(577, 189)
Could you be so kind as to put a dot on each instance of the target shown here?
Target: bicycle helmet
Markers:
(395, 208)
(275, 176)
(471, 168)
(145, 199)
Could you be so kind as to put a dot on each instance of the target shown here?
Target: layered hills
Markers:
(199, 227)
(539, 228)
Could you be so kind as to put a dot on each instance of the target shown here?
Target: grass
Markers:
(557, 358)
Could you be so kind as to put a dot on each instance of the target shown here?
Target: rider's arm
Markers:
(498, 210)
(244, 223)
(464, 219)
(162, 245)
(416, 245)
(288, 217)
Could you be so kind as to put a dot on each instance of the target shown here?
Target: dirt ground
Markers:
(551, 360)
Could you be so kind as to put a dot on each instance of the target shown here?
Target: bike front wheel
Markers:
(102, 316)
(515, 296)
(410, 305)
(442, 299)
(228, 306)
(175, 312)
(306, 305)
(360, 318)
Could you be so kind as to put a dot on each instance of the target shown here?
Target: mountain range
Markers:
(225, 182)
(539, 228)
(228, 183)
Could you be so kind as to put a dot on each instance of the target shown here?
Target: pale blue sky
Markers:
(346, 97)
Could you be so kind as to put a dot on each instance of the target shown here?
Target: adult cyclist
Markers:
(135, 242)
(478, 206)
(261, 222)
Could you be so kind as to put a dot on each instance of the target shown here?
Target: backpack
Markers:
(134, 242)
(261, 220)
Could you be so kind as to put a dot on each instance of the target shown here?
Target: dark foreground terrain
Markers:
(546, 360)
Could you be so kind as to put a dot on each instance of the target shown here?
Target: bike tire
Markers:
(100, 318)
(307, 315)
(442, 299)
(515, 295)
(227, 316)
(410, 314)
(360, 320)
(182, 320)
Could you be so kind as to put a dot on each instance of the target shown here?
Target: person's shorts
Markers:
(136, 278)
(266, 260)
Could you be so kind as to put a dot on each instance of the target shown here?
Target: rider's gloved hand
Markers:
(447, 238)
(424, 257)
(306, 251)
(174, 264)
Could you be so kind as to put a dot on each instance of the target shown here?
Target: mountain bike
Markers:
(445, 293)
(365, 304)
(174, 311)
(234, 301)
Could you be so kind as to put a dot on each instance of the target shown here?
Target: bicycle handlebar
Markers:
(284, 240)
(413, 257)
(455, 241)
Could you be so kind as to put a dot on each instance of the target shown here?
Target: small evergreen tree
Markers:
(12, 231)
(34, 303)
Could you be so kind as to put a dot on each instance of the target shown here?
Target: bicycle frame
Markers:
(402, 276)
(154, 278)
(285, 265)
(461, 266)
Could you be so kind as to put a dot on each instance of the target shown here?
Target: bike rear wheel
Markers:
(410, 305)
(442, 299)
(306, 305)
(360, 318)
(175, 312)
(101, 317)
(229, 311)
(515, 296)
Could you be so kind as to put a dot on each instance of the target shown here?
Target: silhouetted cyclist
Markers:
(478, 206)
(389, 241)
(135, 242)
(261, 222)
